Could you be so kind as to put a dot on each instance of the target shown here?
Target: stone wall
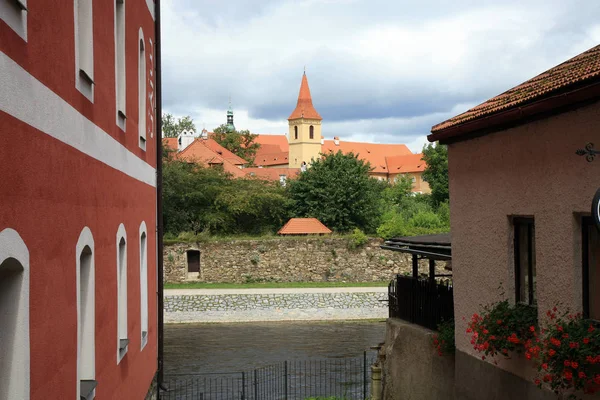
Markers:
(271, 301)
(411, 369)
(305, 259)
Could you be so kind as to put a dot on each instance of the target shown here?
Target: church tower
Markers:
(305, 129)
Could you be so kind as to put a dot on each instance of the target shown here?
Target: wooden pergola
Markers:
(431, 247)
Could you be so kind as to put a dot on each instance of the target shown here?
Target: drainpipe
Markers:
(159, 216)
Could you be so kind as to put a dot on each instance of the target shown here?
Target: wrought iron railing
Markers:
(421, 301)
(347, 378)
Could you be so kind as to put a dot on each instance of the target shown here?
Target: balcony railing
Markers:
(421, 301)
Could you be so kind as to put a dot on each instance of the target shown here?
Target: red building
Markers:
(78, 199)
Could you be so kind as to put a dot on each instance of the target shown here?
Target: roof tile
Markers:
(303, 226)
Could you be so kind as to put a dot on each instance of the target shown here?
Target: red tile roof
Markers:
(271, 174)
(267, 141)
(303, 226)
(170, 143)
(279, 158)
(575, 72)
(199, 152)
(223, 152)
(374, 153)
(304, 107)
(404, 164)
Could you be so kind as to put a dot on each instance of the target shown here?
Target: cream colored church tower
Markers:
(305, 129)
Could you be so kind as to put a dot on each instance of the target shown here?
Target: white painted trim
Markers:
(30, 101)
(143, 284)
(84, 60)
(141, 90)
(86, 239)
(150, 4)
(14, 17)
(121, 318)
(12, 246)
(120, 90)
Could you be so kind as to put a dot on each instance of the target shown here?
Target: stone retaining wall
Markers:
(297, 301)
(304, 259)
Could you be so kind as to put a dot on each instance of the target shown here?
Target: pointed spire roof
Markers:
(304, 107)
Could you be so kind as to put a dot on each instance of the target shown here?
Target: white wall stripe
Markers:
(29, 100)
(150, 4)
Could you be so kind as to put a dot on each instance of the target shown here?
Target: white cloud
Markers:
(378, 70)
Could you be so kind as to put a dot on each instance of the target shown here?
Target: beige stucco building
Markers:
(520, 202)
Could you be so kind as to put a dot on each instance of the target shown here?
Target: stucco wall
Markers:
(288, 260)
(412, 370)
(530, 170)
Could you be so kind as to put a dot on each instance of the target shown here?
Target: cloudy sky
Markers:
(381, 71)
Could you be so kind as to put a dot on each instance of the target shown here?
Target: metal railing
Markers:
(345, 378)
(421, 301)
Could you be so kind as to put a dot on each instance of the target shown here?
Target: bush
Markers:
(502, 328)
(415, 216)
(443, 341)
(567, 354)
(357, 239)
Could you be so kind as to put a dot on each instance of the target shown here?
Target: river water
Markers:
(203, 348)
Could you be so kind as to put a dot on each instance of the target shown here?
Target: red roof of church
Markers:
(305, 108)
(374, 153)
(574, 73)
(303, 226)
(406, 163)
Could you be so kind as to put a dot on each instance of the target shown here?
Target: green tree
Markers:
(338, 191)
(436, 172)
(241, 143)
(172, 128)
(401, 190)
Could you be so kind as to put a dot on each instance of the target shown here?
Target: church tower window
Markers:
(296, 132)
(312, 132)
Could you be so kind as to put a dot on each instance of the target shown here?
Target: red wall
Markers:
(50, 191)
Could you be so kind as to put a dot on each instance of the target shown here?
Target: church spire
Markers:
(230, 126)
(304, 107)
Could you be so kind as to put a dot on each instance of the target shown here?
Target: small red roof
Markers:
(304, 107)
(574, 72)
(303, 226)
(407, 163)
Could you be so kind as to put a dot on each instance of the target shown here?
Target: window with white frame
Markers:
(142, 91)
(86, 319)
(122, 339)
(14, 14)
(14, 316)
(144, 284)
(120, 79)
(84, 48)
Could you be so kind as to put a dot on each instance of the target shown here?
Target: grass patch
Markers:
(272, 285)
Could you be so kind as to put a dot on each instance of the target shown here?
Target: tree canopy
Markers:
(436, 172)
(172, 128)
(206, 199)
(338, 191)
(241, 143)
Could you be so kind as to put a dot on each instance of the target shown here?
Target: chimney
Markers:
(336, 140)
(204, 134)
(322, 141)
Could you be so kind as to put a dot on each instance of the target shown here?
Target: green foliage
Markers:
(240, 143)
(338, 191)
(443, 341)
(199, 199)
(436, 172)
(399, 192)
(414, 216)
(357, 239)
(172, 128)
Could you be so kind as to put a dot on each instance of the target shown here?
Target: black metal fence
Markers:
(345, 378)
(421, 301)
